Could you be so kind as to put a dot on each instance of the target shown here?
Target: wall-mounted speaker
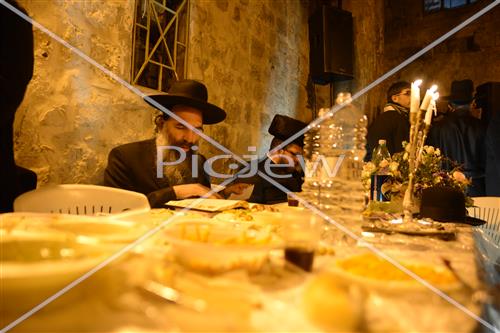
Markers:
(331, 45)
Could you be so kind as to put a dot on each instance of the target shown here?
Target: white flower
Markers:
(459, 177)
(384, 163)
(405, 156)
(429, 150)
(369, 167)
(437, 152)
(393, 166)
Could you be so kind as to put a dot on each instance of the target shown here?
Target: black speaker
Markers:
(331, 45)
(488, 99)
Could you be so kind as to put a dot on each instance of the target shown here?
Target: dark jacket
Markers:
(493, 156)
(393, 126)
(267, 193)
(461, 138)
(132, 167)
(16, 70)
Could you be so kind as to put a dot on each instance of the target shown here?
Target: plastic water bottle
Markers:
(311, 185)
(380, 153)
(342, 138)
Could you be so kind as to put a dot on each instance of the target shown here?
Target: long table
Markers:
(271, 299)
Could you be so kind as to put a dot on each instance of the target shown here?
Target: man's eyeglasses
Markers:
(406, 92)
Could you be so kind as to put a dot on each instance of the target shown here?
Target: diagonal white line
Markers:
(382, 254)
(94, 270)
(394, 70)
(317, 121)
(121, 81)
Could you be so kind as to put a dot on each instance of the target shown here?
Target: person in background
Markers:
(461, 137)
(134, 167)
(16, 70)
(492, 178)
(282, 128)
(393, 124)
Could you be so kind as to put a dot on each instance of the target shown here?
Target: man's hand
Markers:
(193, 190)
(237, 188)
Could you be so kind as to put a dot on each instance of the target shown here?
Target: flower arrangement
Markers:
(434, 170)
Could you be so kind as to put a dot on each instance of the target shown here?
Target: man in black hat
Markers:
(461, 137)
(393, 124)
(282, 165)
(168, 166)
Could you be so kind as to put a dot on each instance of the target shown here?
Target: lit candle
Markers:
(427, 98)
(415, 95)
(430, 109)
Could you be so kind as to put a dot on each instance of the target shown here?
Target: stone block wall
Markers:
(252, 55)
(472, 53)
(73, 114)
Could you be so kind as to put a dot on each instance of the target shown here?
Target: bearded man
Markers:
(162, 168)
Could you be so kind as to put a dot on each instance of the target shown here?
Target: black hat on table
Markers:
(191, 93)
(283, 127)
(461, 92)
(446, 204)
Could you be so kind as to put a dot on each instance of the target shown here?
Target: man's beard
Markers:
(181, 172)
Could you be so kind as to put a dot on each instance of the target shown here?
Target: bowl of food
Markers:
(91, 229)
(374, 273)
(35, 265)
(209, 246)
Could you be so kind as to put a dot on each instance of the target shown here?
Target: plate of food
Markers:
(374, 273)
(91, 229)
(256, 213)
(213, 247)
(37, 264)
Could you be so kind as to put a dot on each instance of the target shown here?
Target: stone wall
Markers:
(472, 53)
(72, 114)
(252, 55)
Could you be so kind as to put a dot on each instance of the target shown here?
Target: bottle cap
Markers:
(381, 142)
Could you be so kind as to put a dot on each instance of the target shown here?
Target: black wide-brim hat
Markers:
(191, 93)
(283, 127)
(446, 204)
(461, 92)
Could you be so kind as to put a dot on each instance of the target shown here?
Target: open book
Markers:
(208, 205)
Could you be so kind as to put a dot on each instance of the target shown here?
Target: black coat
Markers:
(461, 138)
(267, 193)
(393, 126)
(16, 70)
(493, 156)
(132, 167)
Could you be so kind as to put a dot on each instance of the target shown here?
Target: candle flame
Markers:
(417, 82)
(433, 88)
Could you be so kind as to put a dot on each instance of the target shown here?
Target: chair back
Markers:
(80, 199)
(488, 209)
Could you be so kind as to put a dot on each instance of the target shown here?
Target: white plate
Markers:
(35, 266)
(408, 284)
(208, 246)
(98, 229)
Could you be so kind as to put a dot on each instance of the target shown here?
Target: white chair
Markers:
(486, 208)
(80, 199)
